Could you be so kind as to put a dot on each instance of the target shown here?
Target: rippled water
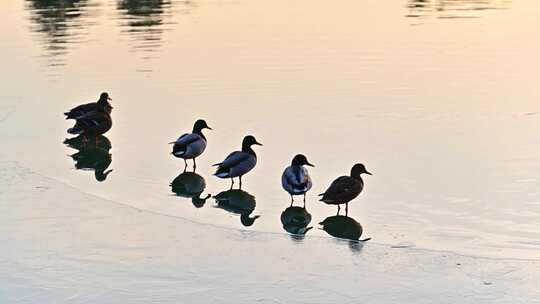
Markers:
(437, 98)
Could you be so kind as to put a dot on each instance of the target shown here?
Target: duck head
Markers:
(200, 125)
(359, 169)
(104, 97)
(246, 220)
(101, 175)
(249, 141)
(301, 160)
(198, 201)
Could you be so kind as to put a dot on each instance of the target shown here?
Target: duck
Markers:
(191, 145)
(238, 163)
(103, 102)
(345, 188)
(295, 178)
(92, 124)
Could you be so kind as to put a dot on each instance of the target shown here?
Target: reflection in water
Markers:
(343, 227)
(93, 154)
(239, 202)
(144, 21)
(190, 185)
(295, 220)
(453, 8)
(60, 23)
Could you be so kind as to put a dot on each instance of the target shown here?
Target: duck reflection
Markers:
(344, 227)
(295, 220)
(238, 202)
(61, 23)
(190, 185)
(92, 155)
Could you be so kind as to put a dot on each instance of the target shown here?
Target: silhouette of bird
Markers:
(92, 123)
(92, 157)
(343, 227)
(190, 185)
(295, 220)
(239, 202)
(345, 188)
(102, 103)
(295, 179)
(238, 163)
(191, 145)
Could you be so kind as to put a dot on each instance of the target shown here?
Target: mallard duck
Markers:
(295, 179)
(238, 163)
(345, 188)
(102, 103)
(343, 227)
(93, 123)
(191, 145)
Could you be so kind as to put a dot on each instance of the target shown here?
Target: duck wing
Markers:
(342, 187)
(90, 121)
(232, 160)
(181, 144)
(81, 110)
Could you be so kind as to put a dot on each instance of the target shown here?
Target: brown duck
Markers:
(102, 103)
(92, 124)
(345, 188)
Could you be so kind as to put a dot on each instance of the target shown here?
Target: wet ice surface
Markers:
(435, 97)
(88, 250)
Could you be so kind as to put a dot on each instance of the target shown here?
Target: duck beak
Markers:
(368, 172)
(258, 144)
(209, 128)
(311, 165)
(109, 98)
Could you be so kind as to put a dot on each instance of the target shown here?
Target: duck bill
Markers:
(258, 143)
(209, 128)
(367, 172)
(311, 165)
(108, 98)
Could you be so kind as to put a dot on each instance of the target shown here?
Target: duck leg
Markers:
(194, 165)
(338, 208)
(185, 165)
(240, 178)
(232, 182)
(346, 209)
(304, 201)
(292, 200)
